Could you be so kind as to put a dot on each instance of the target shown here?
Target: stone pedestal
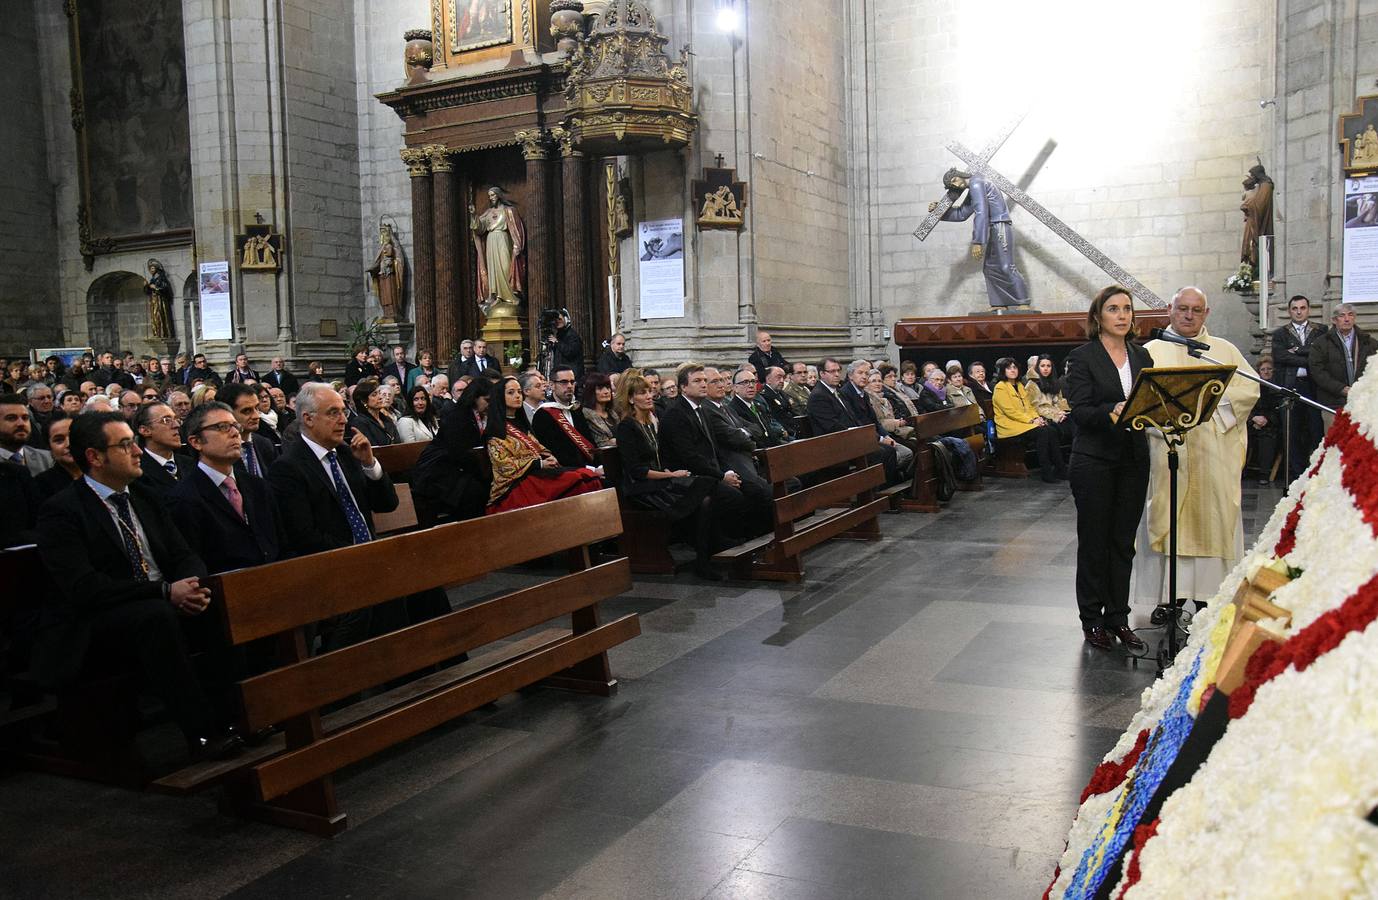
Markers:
(394, 333)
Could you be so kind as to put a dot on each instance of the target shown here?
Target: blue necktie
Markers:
(251, 461)
(171, 468)
(130, 536)
(357, 526)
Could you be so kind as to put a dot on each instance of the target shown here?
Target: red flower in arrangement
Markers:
(1360, 466)
(1287, 541)
(1109, 775)
(1141, 837)
(1307, 646)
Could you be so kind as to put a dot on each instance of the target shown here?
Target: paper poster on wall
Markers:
(1361, 240)
(661, 248)
(214, 283)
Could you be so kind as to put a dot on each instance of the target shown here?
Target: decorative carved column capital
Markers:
(565, 139)
(439, 156)
(535, 143)
(418, 163)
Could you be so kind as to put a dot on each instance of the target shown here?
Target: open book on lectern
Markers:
(1176, 398)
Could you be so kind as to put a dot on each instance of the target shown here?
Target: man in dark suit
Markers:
(732, 440)
(242, 373)
(398, 365)
(772, 396)
(1291, 348)
(481, 361)
(561, 427)
(162, 461)
(533, 388)
(125, 579)
(460, 365)
(750, 408)
(327, 492)
(258, 451)
(199, 371)
(20, 499)
(687, 443)
(837, 406)
(15, 427)
(231, 522)
(765, 356)
(279, 377)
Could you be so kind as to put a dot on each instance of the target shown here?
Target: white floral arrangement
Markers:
(1278, 808)
(1241, 281)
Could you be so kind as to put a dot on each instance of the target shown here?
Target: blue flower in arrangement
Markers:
(1136, 792)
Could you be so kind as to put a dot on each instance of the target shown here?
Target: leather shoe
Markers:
(1129, 638)
(225, 746)
(1099, 638)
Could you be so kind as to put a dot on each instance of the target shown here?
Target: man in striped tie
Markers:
(259, 453)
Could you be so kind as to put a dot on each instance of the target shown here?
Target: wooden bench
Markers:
(645, 538)
(1008, 459)
(399, 459)
(843, 476)
(287, 780)
(960, 421)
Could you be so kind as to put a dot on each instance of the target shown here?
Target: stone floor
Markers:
(915, 720)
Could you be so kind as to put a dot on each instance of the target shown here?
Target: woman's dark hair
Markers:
(1098, 304)
(468, 398)
(886, 369)
(1050, 386)
(497, 407)
(1004, 363)
(592, 382)
(428, 415)
(361, 392)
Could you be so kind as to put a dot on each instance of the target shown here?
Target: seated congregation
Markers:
(132, 489)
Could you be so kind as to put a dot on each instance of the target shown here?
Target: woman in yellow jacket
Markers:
(1016, 419)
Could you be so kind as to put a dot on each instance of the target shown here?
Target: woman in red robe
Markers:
(524, 472)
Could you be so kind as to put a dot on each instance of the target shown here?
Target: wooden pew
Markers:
(288, 780)
(844, 478)
(399, 459)
(645, 538)
(961, 421)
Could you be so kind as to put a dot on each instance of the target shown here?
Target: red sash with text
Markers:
(585, 448)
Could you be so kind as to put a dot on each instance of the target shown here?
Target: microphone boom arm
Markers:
(1290, 394)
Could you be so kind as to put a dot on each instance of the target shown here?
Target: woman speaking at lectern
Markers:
(1109, 471)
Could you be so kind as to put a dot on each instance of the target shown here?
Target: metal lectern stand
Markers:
(1174, 401)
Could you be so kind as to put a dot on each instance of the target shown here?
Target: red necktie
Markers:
(236, 499)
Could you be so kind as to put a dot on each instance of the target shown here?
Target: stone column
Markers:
(535, 146)
(576, 282)
(423, 249)
(446, 251)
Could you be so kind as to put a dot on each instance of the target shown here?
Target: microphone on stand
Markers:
(1160, 334)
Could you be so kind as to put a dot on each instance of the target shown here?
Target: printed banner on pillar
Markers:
(214, 283)
(1361, 240)
(662, 268)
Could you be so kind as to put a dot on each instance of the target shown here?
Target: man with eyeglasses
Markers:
(126, 581)
(130, 401)
(258, 451)
(750, 411)
(561, 427)
(229, 520)
(162, 460)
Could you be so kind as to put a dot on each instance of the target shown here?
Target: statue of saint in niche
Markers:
(159, 291)
(500, 239)
(1257, 206)
(992, 235)
(388, 273)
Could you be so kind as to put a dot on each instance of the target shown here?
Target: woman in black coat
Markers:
(1109, 471)
(673, 494)
(449, 476)
(372, 415)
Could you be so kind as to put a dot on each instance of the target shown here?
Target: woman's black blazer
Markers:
(1093, 388)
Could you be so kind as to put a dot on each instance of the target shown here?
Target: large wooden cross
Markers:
(980, 163)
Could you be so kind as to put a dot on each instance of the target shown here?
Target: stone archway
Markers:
(116, 314)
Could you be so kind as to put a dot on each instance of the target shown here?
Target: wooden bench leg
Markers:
(309, 808)
(789, 569)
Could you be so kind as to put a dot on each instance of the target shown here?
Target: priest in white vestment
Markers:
(1210, 525)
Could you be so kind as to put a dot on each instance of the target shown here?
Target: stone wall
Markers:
(1142, 122)
(28, 236)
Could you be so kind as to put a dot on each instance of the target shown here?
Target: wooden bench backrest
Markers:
(400, 457)
(23, 577)
(816, 453)
(946, 421)
(271, 599)
(403, 518)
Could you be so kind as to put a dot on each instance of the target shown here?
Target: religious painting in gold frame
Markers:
(132, 127)
(475, 24)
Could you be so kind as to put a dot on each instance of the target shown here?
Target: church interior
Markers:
(915, 453)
